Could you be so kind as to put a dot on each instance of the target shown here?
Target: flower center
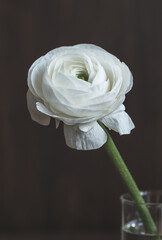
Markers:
(82, 76)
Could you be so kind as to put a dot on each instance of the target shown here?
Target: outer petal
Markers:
(85, 127)
(77, 139)
(127, 77)
(30, 72)
(118, 121)
(64, 118)
(35, 114)
(93, 48)
(48, 56)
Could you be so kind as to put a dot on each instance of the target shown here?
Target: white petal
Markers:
(30, 73)
(77, 139)
(85, 127)
(89, 47)
(94, 49)
(69, 81)
(60, 102)
(120, 108)
(42, 60)
(35, 114)
(37, 77)
(118, 121)
(127, 78)
(69, 120)
(65, 119)
(101, 55)
(109, 62)
(100, 76)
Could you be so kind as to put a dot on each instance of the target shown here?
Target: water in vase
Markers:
(134, 231)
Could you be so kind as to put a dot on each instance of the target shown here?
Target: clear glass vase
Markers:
(132, 227)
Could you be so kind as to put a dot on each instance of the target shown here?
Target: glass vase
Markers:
(132, 227)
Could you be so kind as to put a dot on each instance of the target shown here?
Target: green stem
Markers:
(130, 184)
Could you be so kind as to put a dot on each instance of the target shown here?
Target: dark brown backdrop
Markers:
(44, 185)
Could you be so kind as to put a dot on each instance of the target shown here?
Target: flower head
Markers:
(80, 85)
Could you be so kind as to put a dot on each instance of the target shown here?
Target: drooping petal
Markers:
(36, 115)
(118, 121)
(80, 140)
(85, 127)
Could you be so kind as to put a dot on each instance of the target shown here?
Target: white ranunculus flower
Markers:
(80, 85)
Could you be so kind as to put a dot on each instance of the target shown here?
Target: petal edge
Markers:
(36, 115)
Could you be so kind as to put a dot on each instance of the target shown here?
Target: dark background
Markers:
(44, 185)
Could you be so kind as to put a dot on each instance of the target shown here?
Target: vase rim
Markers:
(158, 193)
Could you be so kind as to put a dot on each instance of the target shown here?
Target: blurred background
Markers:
(46, 187)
